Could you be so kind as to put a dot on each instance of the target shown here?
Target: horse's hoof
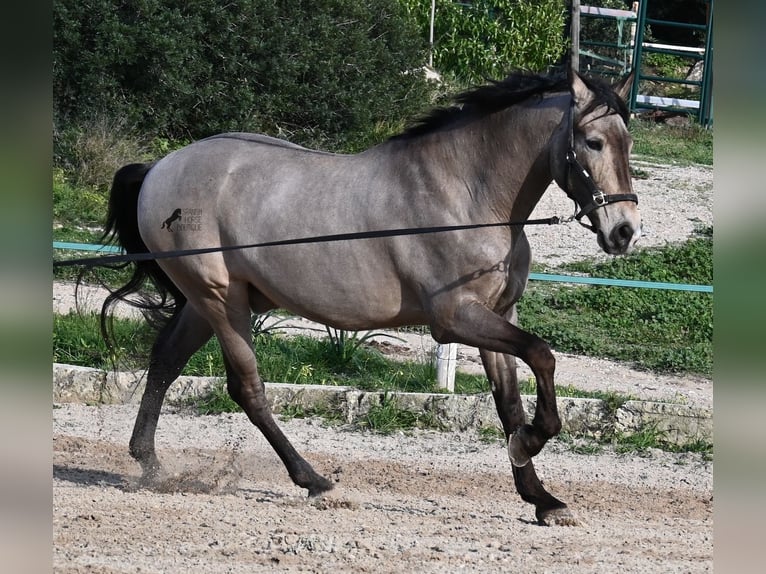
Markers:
(558, 517)
(150, 474)
(319, 487)
(516, 451)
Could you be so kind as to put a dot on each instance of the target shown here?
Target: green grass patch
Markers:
(297, 360)
(640, 442)
(75, 206)
(77, 341)
(388, 417)
(658, 330)
(680, 144)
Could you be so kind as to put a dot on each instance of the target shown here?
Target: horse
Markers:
(486, 157)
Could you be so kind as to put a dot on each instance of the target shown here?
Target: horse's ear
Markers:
(580, 92)
(622, 88)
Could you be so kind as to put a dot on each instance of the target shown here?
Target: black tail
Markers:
(122, 228)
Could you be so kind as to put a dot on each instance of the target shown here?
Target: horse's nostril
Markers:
(623, 234)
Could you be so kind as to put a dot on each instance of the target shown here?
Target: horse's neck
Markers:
(491, 168)
(511, 153)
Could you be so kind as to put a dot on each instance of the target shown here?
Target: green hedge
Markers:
(321, 73)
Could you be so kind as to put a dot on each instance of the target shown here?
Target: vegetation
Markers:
(388, 417)
(487, 38)
(684, 144)
(191, 68)
(667, 331)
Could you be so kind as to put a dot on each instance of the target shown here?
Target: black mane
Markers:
(500, 94)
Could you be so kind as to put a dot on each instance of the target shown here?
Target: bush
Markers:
(318, 73)
(487, 38)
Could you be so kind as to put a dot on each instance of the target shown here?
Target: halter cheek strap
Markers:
(586, 195)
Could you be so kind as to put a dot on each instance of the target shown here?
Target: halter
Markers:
(591, 197)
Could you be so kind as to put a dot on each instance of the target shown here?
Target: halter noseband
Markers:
(591, 197)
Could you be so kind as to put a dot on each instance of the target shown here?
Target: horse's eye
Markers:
(595, 145)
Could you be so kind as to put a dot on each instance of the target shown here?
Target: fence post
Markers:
(446, 361)
(574, 33)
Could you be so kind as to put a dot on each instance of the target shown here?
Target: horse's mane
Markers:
(500, 94)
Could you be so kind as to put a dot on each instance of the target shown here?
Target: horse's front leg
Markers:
(473, 324)
(501, 372)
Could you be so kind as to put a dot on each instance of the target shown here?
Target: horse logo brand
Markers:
(169, 221)
(188, 220)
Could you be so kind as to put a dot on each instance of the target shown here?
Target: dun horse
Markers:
(486, 159)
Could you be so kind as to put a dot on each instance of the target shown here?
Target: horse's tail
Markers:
(122, 228)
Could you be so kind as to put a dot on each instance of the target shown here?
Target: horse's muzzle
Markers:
(619, 239)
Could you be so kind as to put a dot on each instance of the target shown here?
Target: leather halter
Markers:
(586, 196)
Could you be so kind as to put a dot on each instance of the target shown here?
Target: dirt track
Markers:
(426, 501)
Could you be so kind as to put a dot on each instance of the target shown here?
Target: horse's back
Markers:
(237, 189)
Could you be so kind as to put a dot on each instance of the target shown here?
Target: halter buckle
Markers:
(599, 198)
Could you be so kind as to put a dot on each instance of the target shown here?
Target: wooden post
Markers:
(446, 361)
(574, 32)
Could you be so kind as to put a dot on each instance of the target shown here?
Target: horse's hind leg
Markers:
(176, 343)
(231, 322)
(501, 371)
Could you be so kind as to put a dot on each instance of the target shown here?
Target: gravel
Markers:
(425, 501)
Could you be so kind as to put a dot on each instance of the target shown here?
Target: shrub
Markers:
(319, 73)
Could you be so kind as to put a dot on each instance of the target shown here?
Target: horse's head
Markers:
(591, 163)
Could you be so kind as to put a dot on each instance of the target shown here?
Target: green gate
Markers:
(628, 50)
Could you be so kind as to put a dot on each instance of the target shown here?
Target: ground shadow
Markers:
(89, 476)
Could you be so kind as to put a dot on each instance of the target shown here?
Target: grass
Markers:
(641, 442)
(663, 331)
(76, 206)
(77, 341)
(669, 143)
(388, 417)
(296, 359)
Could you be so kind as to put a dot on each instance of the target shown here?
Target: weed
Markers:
(327, 413)
(262, 323)
(580, 445)
(699, 446)
(388, 417)
(91, 153)
(215, 402)
(290, 412)
(490, 434)
(344, 346)
(645, 438)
